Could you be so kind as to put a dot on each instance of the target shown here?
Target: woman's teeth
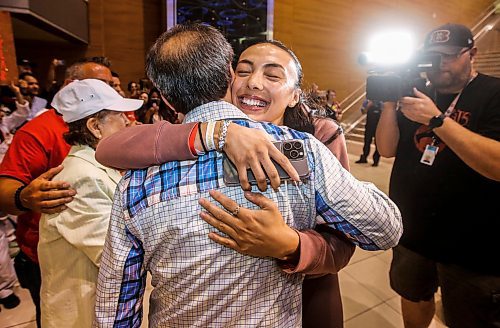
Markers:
(253, 102)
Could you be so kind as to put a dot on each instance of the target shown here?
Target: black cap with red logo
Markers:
(449, 39)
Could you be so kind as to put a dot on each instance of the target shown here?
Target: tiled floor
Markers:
(368, 300)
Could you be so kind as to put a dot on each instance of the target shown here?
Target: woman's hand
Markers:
(251, 148)
(258, 233)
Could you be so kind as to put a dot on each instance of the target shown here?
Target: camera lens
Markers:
(297, 145)
(294, 154)
(287, 145)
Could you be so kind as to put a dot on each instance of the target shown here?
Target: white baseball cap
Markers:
(82, 98)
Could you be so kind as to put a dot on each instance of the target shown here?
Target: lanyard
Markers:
(451, 109)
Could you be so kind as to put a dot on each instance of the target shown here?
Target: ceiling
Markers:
(26, 31)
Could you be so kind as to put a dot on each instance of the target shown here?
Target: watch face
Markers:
(436, 121)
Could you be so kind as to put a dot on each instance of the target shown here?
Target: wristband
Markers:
(17, 200)
(209, 136)
(192, 137)
(201, 139)
(222, 134)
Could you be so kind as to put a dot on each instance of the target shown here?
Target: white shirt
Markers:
(11, 122)
(38, 107)
(71, 242)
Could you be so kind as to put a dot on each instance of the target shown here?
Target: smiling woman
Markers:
(265, 85)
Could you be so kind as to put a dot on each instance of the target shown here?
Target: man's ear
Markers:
(473, 53)
(67, 81)
(93, 126)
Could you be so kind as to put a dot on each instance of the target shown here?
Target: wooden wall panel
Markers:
(122, 30)
(327, 36)
(491, 41)
(8, 61)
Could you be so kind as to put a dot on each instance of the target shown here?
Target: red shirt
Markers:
(37, 147)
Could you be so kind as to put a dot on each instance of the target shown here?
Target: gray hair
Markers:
(190, 65)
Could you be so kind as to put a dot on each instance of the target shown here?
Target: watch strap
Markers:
(17, 200)
(437, 121)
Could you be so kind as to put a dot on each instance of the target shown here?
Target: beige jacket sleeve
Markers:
(85, 223)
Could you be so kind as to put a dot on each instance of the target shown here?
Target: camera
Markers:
(390, 83)
(292, 149)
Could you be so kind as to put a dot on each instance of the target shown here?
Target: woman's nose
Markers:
(255, 82)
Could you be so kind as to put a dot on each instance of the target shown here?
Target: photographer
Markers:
(445, 182)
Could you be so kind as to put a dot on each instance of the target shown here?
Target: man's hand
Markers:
(419, 108)
(45, 196)
(17, 92)
(251, 148)
(23, 84)
(56, 62)
(258, 233)
(14, 88)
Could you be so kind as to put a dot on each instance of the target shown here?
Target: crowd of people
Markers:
(101, 199)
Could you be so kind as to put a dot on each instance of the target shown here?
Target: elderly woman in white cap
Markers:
(71, 242)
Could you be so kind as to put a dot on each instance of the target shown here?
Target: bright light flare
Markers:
(391, 48)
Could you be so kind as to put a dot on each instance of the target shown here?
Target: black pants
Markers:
(470, 299)
(370, 129)
(28, 274)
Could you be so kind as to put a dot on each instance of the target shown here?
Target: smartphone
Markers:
(293, 149)
(156, 101)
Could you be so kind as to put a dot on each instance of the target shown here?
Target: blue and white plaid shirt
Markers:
(155, 226)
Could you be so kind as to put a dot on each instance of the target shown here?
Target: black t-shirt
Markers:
(450, 212)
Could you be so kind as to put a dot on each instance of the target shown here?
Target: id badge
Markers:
(429, 155)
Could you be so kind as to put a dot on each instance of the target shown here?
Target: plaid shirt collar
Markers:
(213, 111)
